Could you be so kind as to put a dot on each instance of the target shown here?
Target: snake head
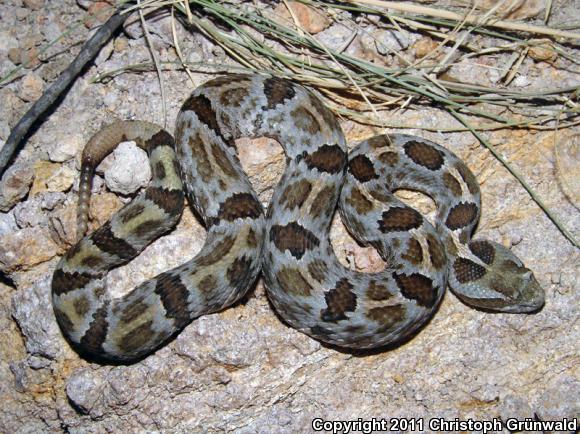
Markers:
(506, 284)
(508, 276)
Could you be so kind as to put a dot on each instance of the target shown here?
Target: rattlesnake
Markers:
(307, 285)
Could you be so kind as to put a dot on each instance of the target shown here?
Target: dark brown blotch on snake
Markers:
(424, 155)
(294, 238)
(417, 287)
(362, 168)
(339, 301)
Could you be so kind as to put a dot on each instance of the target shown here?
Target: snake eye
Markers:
(527, 274)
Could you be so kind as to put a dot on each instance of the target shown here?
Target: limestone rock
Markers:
(11, 342)
(68, 148)
(543, 51)
(14, 185)
(7, 223)
(515, 10)
(126, 169)
(98, 12)
(32, 310)
(84, 389)
(424, 46)
(389, 41)
(34, 4)
(7, 40)
(23, 249)
(31, 87)
(11, 106)
(28, 214)
(63, 222)
(51, 177)
(308, 17)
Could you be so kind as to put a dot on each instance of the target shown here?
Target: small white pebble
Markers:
(521, 81)
(126, 169)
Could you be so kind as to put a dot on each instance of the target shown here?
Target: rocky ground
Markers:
(243, 370)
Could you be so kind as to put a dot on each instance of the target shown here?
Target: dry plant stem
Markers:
(153, 54)
(88, 51)
(469, 19)
(324, 84)
(519, 177)
(178, 47)
(338, 64)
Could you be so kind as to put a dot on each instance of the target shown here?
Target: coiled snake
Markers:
(307, 285)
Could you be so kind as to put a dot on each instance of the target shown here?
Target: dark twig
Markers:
(87, 53)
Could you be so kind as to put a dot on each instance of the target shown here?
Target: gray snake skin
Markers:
(307, 285)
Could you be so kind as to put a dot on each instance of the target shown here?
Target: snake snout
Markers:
(532, 297)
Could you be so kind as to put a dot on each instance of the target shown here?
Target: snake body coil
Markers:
(308, 286)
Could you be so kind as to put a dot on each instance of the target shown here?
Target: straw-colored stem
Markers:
(471, 18)
(520, 179)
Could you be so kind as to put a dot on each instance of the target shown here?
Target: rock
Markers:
(555, 402)
(6, 66)
(51, 177)
(7, 223)
(424, 46)
(67, 148)
(364, 46)
(121, 44)
(308, 17)
(32, 310)
(98, 13)
(30, 40)
(515, 10)
(34, 5)
(85, 389)
(335, 36)
(389, 41)
(23, 249)
(263, 160)
(11, 108)
(515, 407)
(63, 221)
(85, 4)
(544, 51)
(103, 206)
(51, 199)
(29, 58)
(158, 28)
(21, 14)
(29, 214)
(52, 30)
(468, 71)
(31, 87)
(521, 81)
(104, 53)
(14, 185)
(63, 224)
(567, 152)
(7, 40)
(14, 56)
(126, 169)
(11, 343)
(51, 70)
